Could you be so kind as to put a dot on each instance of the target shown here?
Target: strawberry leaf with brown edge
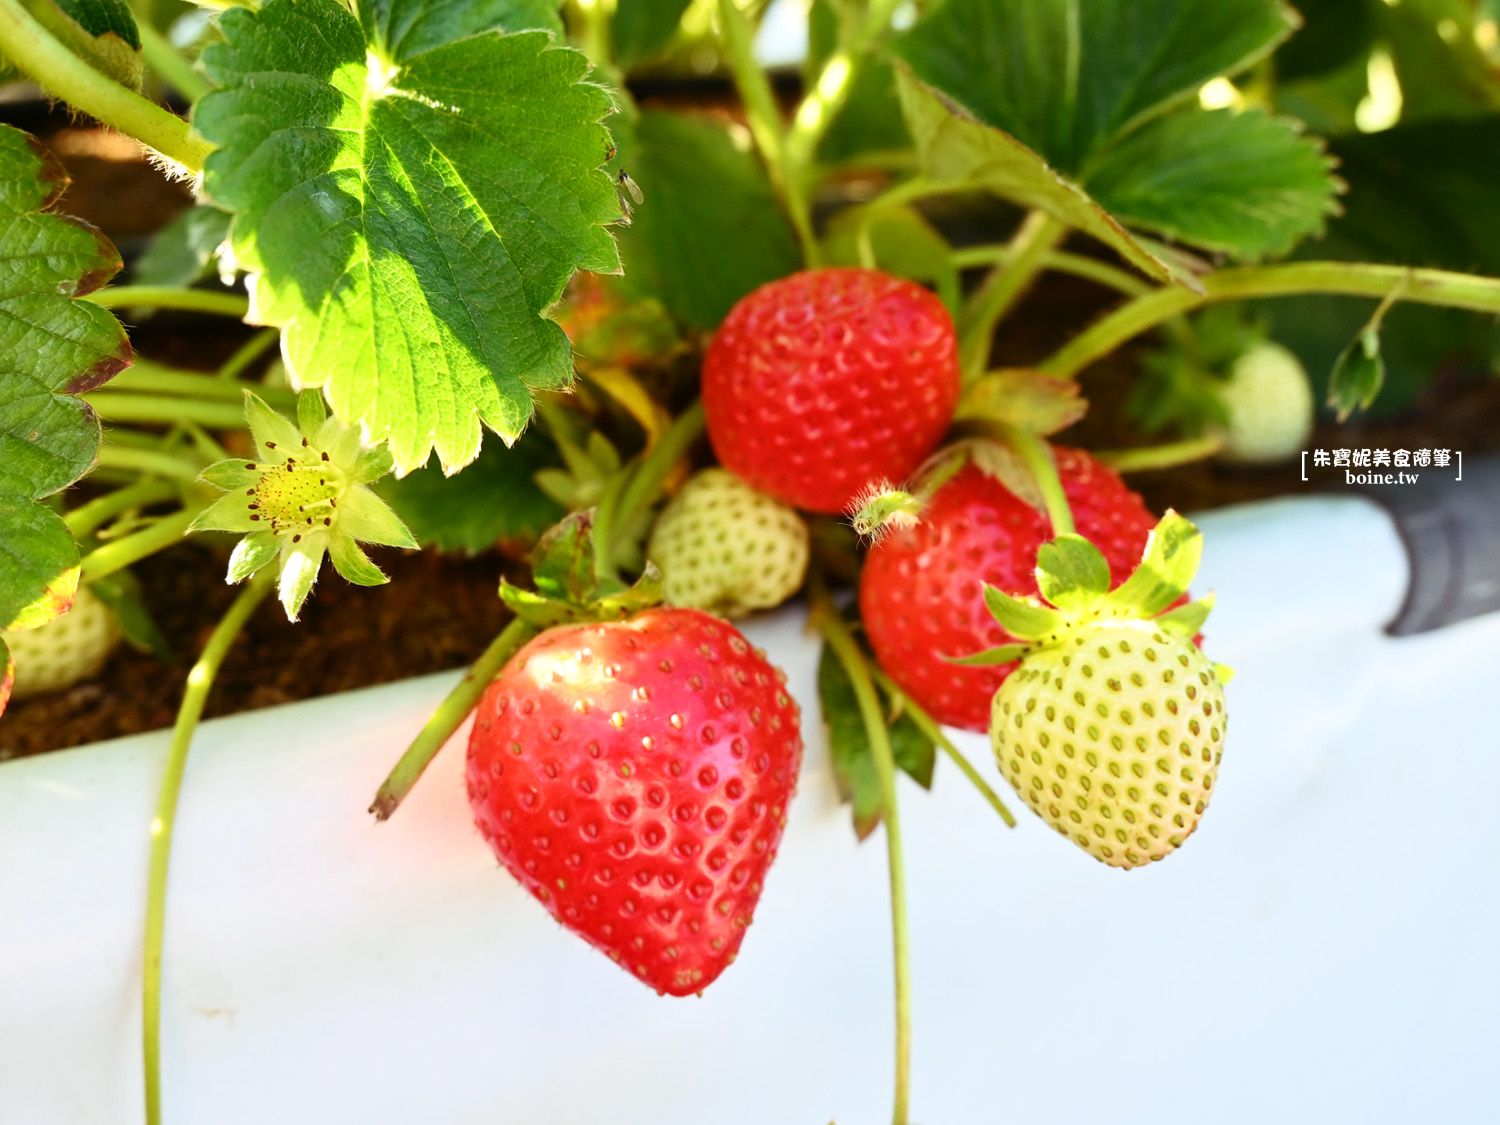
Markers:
(412, 187)
(849, 746)
(1029, 400)
(52, 348)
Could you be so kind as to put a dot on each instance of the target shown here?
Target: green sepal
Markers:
(230, 512)
(568, 586)
(538, 609)
(311, 413)
(1358, 374)
(350, 560)
(1173, 552)
(1224, 672)
(122, 593)
(300, 563)
(1187, 620)
(563, 567)
(250, 554)
(368, 518)
(1001, 654)
(230, 475)
(619, 603)
(371, 465)
(1071, 572)
(273, 433)
(1023, 618)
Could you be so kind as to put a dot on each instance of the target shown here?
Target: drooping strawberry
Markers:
(920, 593)
(635, 777)
(821, 382)
(1112, 726)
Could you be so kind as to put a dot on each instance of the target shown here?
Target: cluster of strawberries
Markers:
(635, 775)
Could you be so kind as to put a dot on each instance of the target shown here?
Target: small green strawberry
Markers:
(66, 650)
(1268, 403)
(1113, 725)
(721, 546)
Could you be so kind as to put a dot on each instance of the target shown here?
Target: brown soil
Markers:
(440, 613)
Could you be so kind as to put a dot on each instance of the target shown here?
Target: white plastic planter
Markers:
(1321, 951)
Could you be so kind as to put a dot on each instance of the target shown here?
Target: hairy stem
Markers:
(125, 406)
(147, 377)
(1025, 258)
(248, 353)
(1350, 279)
(120, 553)
(764, 119)
(152, 461)
(169, 64)
(930, 728)
(199, 681)
(34, 51)
(1166, 456)
(100, 510)
(827, 621)
(169, 297)
(449, 717)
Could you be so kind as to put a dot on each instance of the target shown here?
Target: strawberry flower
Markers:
(304, 496)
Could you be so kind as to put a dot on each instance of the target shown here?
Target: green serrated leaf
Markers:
(1066, 78)
(849, 746)
(1357, 375)
(710, 229)
(1071, 572)
(52, 347)
(641, 29)
(955, 148)
(1242, 184)
(407, 28)
(1173, 551)
(495, 498)
(408, 204)
(1023, 618)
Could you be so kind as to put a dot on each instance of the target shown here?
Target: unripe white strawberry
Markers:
(64, 651)
(1269, 405)
(1114, 737)
(723, 547)
(1112, 726)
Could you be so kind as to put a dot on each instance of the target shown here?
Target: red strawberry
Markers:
(635, 777)
(821, 382)
(921, 594)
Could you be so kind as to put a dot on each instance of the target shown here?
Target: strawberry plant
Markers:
(694, 364)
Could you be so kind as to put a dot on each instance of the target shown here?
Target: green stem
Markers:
(98, 511)
(1350, 279)
(930, 728)
(236, 305)
(830, 91)
(645, 484)
(248, 353)
(164, 58)
(605, 511)
(126, 406)
(1026, 256)
(764, 119)
(145, 376)
(449, 717)
(28, 45)
(199, 681)
(1036, 454)
(148, 461)
(827, 621)
(1167, 456)
(120, 553)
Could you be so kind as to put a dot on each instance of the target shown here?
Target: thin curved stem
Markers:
(143, 376)
(170, 297)
(169, 64)
(1165, 456)
(1027, 253)
(646, 482)
(1350, 279)
(826, 620)
(200, 680)
(449, 717)
(1036, 454)
(100, 510)
(35, 52)
(930, 728)
(120, 553)
(248, 353)
(126, 406)
(148, 461)
(764, 119)
(830, 91)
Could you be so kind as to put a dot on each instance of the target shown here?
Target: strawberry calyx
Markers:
(1073, 578)
(569, 585)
